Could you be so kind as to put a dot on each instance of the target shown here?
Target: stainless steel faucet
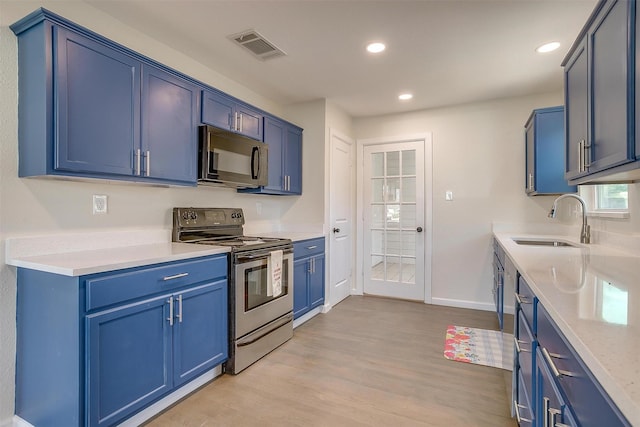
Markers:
(585, 234)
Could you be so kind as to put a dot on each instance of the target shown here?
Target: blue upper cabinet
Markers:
(600, 97)
(285, 158)
(544, 140)
(93, 109)
(97, 103)
(224, 112)
(169, 126)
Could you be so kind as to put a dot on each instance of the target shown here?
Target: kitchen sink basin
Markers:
(553, 243)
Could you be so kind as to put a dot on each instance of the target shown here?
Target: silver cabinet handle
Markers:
(556, 372)
(170, 318)
(580, 154)
(545, 411)
(175, 276)
(179, 315)
(552, 413)
(522, 300)
(138, 161)
(586, 157)
(312, 247)
(241, 127)
(235, 122)
(148, 163)
(517, 407)
(518, 348)
(530, 181)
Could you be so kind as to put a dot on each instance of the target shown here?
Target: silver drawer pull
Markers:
(522, 300)
(518, 348)
(170, 318)
(556, 372)
(312, 247)
(517, 407)
(175, 276)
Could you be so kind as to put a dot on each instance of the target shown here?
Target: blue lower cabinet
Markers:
(551, 409)
(308, 276)
(128, 359)
(94, 350)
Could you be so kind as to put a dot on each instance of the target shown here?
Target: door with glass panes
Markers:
(393, 201)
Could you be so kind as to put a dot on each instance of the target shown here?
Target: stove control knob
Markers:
(193, 215)
(185, 215)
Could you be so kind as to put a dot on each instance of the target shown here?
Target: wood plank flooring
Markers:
(368, 362)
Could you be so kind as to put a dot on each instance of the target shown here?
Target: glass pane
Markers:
(393, 190)
(377, 216)
(393, 216)
(409, 190)
(393, 163)
(394, 245)
(409, 162)
(408, 270)
(409, 243)
(377, 242)
(377, 164)
(612, 196)
(377, 187)
(393, 269)
(408, 217)
(377, 267)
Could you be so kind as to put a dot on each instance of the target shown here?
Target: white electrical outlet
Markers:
(99, 204)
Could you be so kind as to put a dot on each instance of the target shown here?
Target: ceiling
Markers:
(445, 52)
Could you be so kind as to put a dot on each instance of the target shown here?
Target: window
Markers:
(607, 200)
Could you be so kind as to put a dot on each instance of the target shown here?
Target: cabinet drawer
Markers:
(526, 301)
(526, 350)
(109, 288)
(591, 405)
(308, 247)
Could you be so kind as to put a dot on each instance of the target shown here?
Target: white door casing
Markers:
(341, 216)
(394, 217)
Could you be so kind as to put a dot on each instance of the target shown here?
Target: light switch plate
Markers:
(448, 195)
(99, 204)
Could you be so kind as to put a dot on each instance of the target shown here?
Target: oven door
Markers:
(255, 304)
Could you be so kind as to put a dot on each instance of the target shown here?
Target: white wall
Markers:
(478, 153)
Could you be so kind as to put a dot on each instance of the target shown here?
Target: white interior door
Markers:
(394, 219)
(341, 217)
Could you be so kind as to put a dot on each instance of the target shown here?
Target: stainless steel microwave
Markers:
(231, 159)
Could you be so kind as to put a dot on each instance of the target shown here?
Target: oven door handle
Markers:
(261, 255)
(283, 321)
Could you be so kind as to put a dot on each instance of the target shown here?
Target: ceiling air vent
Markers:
(257, 44)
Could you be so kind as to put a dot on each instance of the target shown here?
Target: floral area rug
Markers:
(479, 346)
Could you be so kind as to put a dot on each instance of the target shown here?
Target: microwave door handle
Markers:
(255, 162)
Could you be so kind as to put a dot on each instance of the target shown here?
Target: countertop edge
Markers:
(629, 407)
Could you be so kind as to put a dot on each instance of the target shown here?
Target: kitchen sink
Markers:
(553, 243)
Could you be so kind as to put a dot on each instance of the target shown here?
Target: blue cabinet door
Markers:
(300, 287)
(576, 87)
(128, 359)
(611, 137)
(225, 112)
(293, 160)
(316, 281)
(274, 135)
(545, 147)
(169, 127)
(97, 104)
(250, 122)
(200, 330)
(550, 408)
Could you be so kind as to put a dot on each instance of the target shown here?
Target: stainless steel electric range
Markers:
(260, 319)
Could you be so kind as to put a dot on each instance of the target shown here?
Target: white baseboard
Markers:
(464, 304)
(152, 410)
(300, 320)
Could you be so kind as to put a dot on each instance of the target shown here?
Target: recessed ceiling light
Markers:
(548, 47)
(376, 47)
(405, 96)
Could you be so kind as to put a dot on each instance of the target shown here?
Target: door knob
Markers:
(419, 229)
(336, 230)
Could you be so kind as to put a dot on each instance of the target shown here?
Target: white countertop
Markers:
(585, 291)
(295, 236)
(78, 263)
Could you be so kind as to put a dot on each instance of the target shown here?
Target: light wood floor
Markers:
(368, 362)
